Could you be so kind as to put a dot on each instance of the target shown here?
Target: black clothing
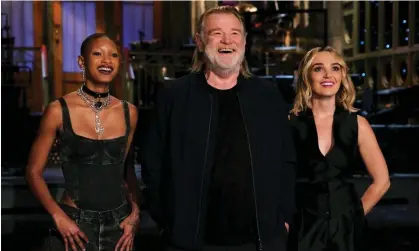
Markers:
(101, 228)
(330, 213)
(93, 169)
(94, 179)
(179, 154)
(275, 245)
(231, 207)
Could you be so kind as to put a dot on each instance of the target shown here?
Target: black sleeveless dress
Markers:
(93, 169)
(94, 179)
(330, 214)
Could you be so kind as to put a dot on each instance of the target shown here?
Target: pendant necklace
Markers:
(97, 101)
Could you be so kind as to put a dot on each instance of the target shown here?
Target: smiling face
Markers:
(223, 41)
(100, 61)
(325, 75)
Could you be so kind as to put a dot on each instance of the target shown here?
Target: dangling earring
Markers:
(83, 76)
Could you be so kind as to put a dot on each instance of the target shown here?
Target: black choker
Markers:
(94, 94)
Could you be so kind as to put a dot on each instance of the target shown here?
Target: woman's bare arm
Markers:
(375, 163)
(131, 177)
(50, 123)
(130, 224)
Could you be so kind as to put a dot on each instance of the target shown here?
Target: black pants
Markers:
(278, 244)
(101, 228)
(245, 247)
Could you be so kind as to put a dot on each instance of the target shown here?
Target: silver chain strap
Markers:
(97, 106)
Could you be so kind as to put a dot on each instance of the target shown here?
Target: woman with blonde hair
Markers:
(329, 136)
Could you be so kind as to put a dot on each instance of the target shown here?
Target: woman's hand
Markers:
(130, 226)
(70, 232)
(50, 123)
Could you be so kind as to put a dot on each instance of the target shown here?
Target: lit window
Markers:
(78, 22)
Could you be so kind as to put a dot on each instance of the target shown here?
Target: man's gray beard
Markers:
(221, 71)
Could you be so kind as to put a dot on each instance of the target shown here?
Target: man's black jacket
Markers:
(178, 155)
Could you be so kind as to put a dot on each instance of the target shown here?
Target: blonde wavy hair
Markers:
(198, 60)
(346, 94)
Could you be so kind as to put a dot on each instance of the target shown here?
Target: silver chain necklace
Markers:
(97, 105)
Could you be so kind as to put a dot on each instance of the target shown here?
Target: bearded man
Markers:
(219, 160)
